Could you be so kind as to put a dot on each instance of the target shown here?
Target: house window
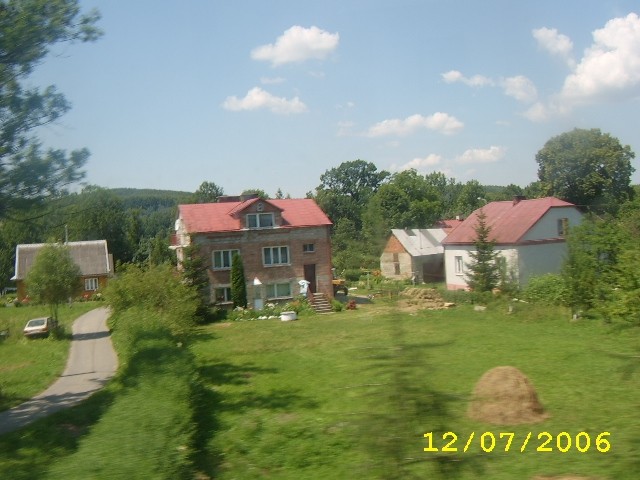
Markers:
(278, 290)
(91, 284)
(563, 226)
(275, 256)
(222, 259)
(260, 220)
(459, 265)
(222, 294)
(309, 247)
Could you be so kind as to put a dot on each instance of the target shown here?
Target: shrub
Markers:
(549, 289)
(336, 306)
(155, 288)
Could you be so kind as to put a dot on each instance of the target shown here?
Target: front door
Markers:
(310, 276)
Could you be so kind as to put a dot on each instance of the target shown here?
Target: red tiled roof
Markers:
(222, 217)
(509, 221)
(448, 225)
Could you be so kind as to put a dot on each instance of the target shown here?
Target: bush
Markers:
(336, 306)
(549, 289)
(156, 289)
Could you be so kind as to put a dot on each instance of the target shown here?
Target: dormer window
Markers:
(260, 220)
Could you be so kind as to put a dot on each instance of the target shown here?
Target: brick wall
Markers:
(251, 244)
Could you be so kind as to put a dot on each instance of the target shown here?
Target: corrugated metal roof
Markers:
(223, 217)
(509, 220)
(420, 242)
(91, 256)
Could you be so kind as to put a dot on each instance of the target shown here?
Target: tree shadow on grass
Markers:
(210, 404)
(29, 452)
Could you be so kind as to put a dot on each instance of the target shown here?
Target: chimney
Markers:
(518, 198)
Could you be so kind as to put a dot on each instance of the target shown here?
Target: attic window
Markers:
(260, 220)
(260, 207)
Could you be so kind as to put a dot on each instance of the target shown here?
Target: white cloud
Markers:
(479, 155)
(420, 164)
(454, 76)
(439, 122)
(256, 99)
(520, 88)
(298, 44)
(345, 128)
(608, 71)
(610, 68)
(555, 43)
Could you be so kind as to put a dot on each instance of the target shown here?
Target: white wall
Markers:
(454, 280)
(547, 226)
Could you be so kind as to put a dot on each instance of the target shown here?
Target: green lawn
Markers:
(346, 395)
(29, 366)
(290, 400)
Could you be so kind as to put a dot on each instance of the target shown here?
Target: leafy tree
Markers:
(256, 191)
(207, 192)
(344, 191)
(591, 268)
(98, 214)
(588, 168)
(194, 272)
(471, 197)
(54, 277)
(238, 283)
(28, 30)
(484, 269)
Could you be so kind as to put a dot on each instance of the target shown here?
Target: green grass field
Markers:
(299, 400)
(349, 395)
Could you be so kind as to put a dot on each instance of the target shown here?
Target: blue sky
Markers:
(271, 94)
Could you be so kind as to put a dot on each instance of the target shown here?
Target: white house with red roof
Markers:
(529, 236)
(281, 242)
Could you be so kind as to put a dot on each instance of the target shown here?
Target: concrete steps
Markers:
(321, 303)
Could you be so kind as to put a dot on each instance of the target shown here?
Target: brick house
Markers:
(92, 257)
(281, 242)
(416, 254)
(529, 236)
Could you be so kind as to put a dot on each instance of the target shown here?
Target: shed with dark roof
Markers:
(92, 257)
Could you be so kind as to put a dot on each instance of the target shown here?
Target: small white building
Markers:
(529, 236)
(416, 254)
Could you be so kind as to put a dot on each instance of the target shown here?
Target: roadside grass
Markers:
(29, 366)
(306, 400)
(141, 425)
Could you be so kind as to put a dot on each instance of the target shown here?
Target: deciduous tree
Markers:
(54, 277)
(588, 168)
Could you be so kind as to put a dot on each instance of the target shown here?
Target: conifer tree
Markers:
(238, 283)
(484, 268)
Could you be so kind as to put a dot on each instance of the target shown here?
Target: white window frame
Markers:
(458, 265)
(226, 293)
(259, 220)
(276, 256)
(223, 263)
(308, 248)
(91, 284)
(277, 291)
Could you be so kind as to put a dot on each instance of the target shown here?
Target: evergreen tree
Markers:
(485, 271)
(238, 283)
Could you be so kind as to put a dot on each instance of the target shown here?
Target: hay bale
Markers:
(504, 396)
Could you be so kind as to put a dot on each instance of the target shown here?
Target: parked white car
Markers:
(39, 327)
